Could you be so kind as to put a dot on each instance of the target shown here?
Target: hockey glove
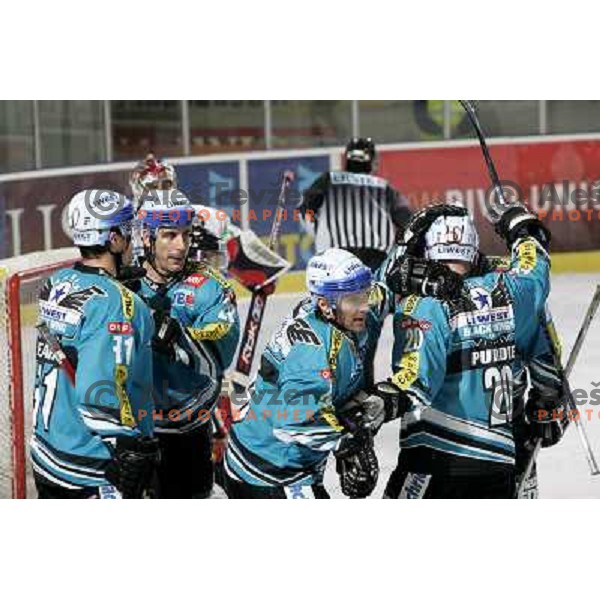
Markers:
(517, 222)
(133, 464)
(166, 333)
(203, 239)
(370, 411)
(356, 464)
(423, 277)
(546, 416)
(395, 400)
(417, 227)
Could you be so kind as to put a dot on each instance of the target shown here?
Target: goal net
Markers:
(20, 281)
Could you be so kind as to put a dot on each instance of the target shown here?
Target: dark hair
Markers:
(98, 250)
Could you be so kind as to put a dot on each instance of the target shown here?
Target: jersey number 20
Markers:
(499, 382)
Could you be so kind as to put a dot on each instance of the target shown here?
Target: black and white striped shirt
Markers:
(353, 210)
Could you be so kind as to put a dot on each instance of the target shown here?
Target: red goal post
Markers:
(20, 280)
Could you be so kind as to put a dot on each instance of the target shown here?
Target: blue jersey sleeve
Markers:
(544, 373)
(209, 314)
(421, 343)
(528, 281)
(308, 422)
(114, 367)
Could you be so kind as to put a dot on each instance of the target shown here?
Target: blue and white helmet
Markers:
(335, 273)
(452, 238)
(165, 208)
(91, 214)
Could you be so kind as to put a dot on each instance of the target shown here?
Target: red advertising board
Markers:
(558, 179)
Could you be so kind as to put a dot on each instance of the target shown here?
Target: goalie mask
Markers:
(151, 174)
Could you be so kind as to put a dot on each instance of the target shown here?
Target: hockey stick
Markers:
(585, 325)
(240, 378)
(502, 203)
(241, 375)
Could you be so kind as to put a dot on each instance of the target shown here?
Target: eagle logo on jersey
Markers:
(76, 300)
(301, 332)
(59, 306)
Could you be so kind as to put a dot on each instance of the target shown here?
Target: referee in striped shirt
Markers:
(353, 209)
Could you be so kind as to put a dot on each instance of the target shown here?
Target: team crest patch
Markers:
(65, 306)
(481, 298)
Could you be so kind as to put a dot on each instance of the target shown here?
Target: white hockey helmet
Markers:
(91, 214)
(214, 220)
(211, 231)
(335, 273)
(152, 174)
(452, 238)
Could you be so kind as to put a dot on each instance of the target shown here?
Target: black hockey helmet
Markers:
(360, 154)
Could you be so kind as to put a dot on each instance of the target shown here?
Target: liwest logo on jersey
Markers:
(126, 413)
(336, 346)
(410, 304)
(65, 306)
(527, 256)
(212, 331)
(127, 302)
(408, 372)
(485, 319)
(52, 312)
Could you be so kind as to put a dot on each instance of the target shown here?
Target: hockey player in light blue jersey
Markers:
(456, 360)
(197, 332)
(537, 381)
(311, 373)
(92, 427)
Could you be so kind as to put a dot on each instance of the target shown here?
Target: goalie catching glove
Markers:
(133, 464)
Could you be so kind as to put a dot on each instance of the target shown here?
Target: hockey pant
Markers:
(426, 473)
(186, 468)
(237, 489)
